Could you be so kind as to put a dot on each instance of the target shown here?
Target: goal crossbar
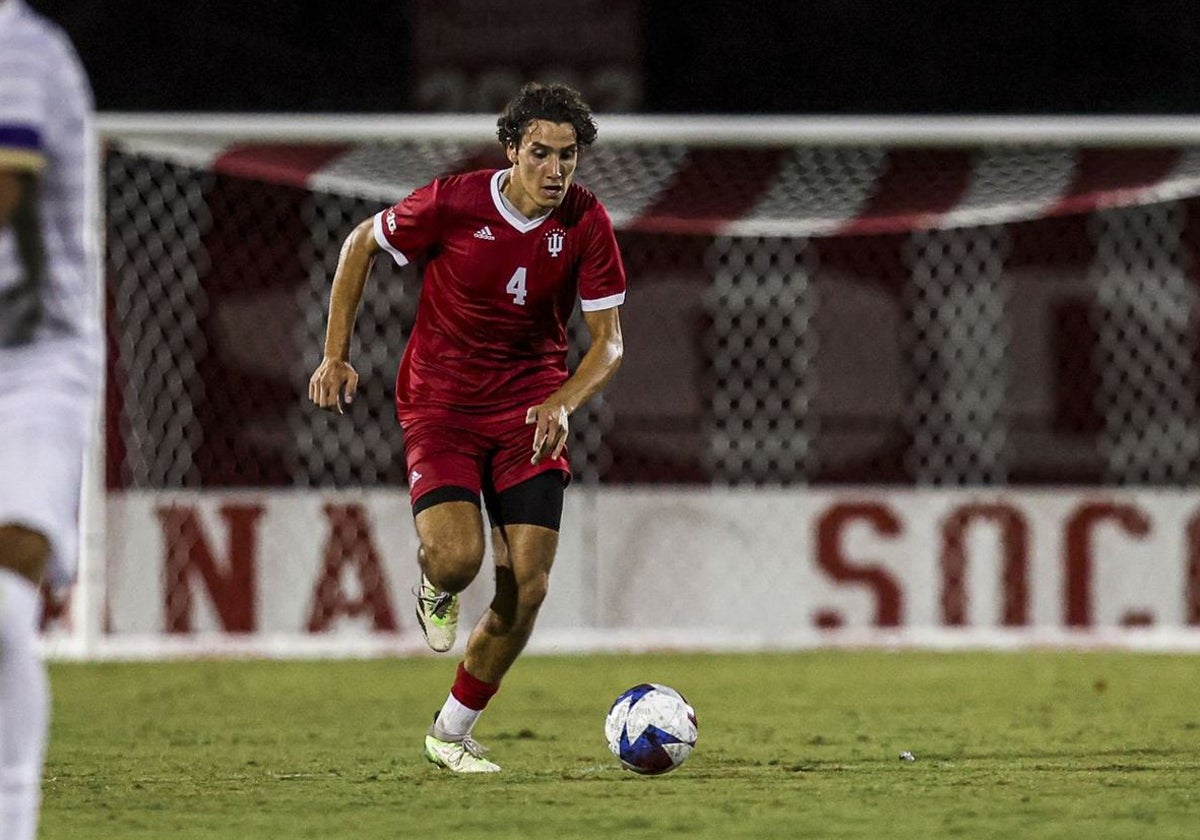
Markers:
(694, 130)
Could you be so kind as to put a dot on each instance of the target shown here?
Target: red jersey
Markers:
(491, 326)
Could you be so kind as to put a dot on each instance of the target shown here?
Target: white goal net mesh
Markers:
(798, 315)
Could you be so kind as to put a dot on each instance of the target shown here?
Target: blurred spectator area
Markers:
(820, 56)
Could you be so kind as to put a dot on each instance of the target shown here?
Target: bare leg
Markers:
(524, 555)
(452, 544)
(24, 551)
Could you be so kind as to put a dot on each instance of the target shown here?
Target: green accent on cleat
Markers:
(465, 756)
(437, 613)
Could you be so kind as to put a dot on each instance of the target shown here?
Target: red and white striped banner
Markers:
(782, 190)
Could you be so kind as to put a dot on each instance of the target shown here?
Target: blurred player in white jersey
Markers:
(50, 358)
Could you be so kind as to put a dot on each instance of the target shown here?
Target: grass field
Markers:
(1029, 745)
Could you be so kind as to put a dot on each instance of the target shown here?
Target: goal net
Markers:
(837, 353)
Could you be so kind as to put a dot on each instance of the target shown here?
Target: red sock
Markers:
(471, 692)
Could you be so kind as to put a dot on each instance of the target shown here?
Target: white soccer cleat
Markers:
(437, 613)
(465, 756)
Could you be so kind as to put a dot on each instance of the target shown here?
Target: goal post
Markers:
(923, 380)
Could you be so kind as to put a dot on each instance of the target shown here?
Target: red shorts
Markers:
(447, 448)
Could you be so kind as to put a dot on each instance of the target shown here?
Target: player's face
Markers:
(543, 167)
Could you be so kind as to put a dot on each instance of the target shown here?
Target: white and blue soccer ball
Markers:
(651, 728)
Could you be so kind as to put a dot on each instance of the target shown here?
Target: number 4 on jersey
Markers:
(516, 286)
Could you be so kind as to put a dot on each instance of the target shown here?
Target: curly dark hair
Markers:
(556, 103)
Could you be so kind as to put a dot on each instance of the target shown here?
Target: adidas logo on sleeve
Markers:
(484, 232)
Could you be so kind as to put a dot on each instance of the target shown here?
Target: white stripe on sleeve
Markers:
(602, 303)
(377, 227)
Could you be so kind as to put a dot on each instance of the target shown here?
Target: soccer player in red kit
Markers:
(483, 392)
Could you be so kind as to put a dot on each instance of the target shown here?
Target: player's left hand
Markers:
(550, 430)
(333, 384)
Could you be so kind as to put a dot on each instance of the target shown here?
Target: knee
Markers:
(516, 603)
(451, 566)
(527, 597)
(24, 550)
(531, 593)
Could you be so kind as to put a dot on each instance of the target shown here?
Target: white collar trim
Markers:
(505, 208)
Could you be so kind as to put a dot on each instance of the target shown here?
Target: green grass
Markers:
(1029, 745)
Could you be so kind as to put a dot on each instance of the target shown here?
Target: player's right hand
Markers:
(333, 384)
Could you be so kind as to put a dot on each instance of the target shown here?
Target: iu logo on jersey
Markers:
(554, 242)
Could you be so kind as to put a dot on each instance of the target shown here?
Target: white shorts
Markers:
(46, 421)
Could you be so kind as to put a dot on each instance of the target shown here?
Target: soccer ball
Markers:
(651, 729)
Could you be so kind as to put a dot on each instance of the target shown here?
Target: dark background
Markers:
(819, 56)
